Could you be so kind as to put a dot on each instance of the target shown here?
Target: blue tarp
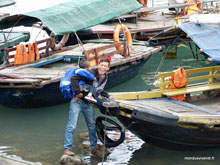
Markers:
(207, 37)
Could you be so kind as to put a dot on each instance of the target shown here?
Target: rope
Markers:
(5, 55)
(161, 63)
(103, 150)
(41, 27)
(80, 44)
(97, 33)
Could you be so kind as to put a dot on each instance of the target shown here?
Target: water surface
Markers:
(37, 134)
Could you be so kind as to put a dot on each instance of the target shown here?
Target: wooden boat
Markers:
(148, 26)
(190, 125)
(36, 84)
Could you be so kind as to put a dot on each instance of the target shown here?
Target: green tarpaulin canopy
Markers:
(74, 15)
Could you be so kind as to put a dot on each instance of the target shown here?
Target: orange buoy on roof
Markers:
(18, 58)
(191, 8)
(31, 54)
(36, 50)
(117, 30)
(179, 80)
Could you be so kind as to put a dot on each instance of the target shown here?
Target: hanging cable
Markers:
(161, 63)
(41, 29)
(97, 33)
(103, 150)
(80, 44)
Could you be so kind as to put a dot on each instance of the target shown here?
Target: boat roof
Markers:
(73, 15)
(4, 3)
(12, 38)
(206, 36)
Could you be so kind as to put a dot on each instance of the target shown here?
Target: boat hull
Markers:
(50, 95)
(157, 132)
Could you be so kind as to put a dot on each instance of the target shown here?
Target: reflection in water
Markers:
(124, 152)
(117, 155)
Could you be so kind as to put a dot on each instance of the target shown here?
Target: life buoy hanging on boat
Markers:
(100, 127)
(116, 33)
(58, 46)
(179, 80)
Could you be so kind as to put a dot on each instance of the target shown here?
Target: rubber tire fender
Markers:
(100, 131)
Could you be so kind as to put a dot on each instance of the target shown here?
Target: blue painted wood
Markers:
(46, 62)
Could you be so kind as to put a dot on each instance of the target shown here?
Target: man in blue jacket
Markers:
(78, 104)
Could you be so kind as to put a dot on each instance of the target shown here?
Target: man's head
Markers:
(84, 64)
(104, 66)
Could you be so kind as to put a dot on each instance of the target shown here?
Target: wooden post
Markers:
(211, 80)
(162, 81)
(96, 57)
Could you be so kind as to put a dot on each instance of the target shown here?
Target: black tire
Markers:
(100, 127)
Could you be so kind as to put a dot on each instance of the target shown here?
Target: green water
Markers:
(37, 134)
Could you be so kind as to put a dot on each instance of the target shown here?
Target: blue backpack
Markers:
(65, 82)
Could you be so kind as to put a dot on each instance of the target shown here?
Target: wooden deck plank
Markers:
(195, 89)
(170, 107)
(18, 80)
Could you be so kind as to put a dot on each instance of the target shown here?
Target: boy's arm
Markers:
(86, 74)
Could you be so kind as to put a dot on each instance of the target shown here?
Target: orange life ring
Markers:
(58, 46)
(179, 80)
(117, 30)
(31, 54)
